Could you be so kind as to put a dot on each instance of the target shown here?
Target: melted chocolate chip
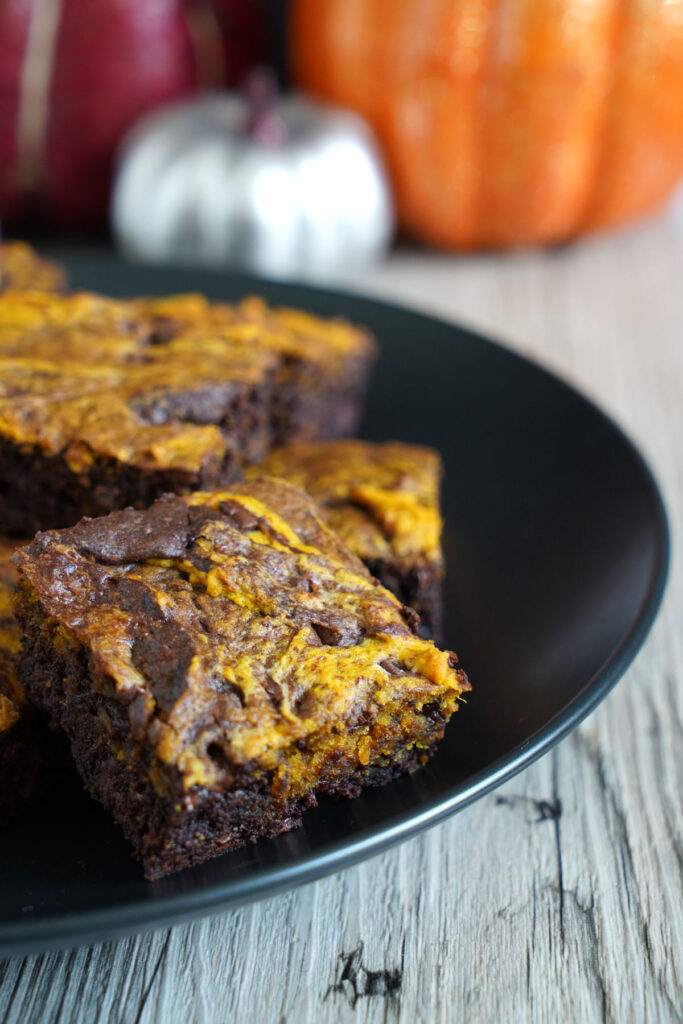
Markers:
(238, 515)
(306, 705)
(433, 713)
(200, 562)
(333, 635)
(134, 536)
(357, 718)
(163, 657)
(130, 596)
(164, 328)
(273, 689)
(411, 618)
(198, 517)
(394, 668)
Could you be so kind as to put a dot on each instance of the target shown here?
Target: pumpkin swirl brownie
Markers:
(21, 268)
(218, 661)
(30, 757)
(94, 415)
(383, 501)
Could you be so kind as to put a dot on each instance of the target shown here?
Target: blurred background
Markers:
(304, 138)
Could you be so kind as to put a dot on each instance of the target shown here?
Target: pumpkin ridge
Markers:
(609, 112)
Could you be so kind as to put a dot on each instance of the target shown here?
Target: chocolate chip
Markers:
(314, 640)
(391, 628)
(163, 656)
(198, 518)
(410, 617)
(394, 668)
(239, 516)
(231, 691)
(306, 705)
(164, 328)
(134, 535)
(273, 689)
(433, 713)
(357, 718)
(333, 635)
(200, 562)
(131, 596)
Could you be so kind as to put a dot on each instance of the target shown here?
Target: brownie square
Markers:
(218, 661)
(96, 415)
(21, 268)
(383, 501)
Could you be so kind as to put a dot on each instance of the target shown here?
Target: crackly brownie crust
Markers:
(220, 659)
(21, 268)
(30, 757)
(383, 501)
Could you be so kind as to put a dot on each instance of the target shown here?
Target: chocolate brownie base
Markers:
(320, 391)
(218, 661)
(45, 492)
(164, 840)
(420, 587)
(306, 406)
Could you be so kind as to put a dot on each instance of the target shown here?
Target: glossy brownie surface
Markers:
(227, 636)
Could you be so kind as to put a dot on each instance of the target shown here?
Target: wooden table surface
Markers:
(556, 898)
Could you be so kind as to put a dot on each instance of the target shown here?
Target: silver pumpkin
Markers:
(310, 199)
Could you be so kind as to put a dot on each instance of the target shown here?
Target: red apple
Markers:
(75, 74)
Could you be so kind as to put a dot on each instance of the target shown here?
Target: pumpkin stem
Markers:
(262, 123)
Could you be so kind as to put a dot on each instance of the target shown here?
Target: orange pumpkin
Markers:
(507, 122)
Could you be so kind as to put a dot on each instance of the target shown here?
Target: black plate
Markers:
(557, 549)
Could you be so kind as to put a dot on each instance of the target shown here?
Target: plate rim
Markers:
(71, 929)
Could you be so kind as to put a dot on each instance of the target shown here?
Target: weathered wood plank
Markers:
(557, 898)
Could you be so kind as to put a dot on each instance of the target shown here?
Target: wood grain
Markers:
(558, 897)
